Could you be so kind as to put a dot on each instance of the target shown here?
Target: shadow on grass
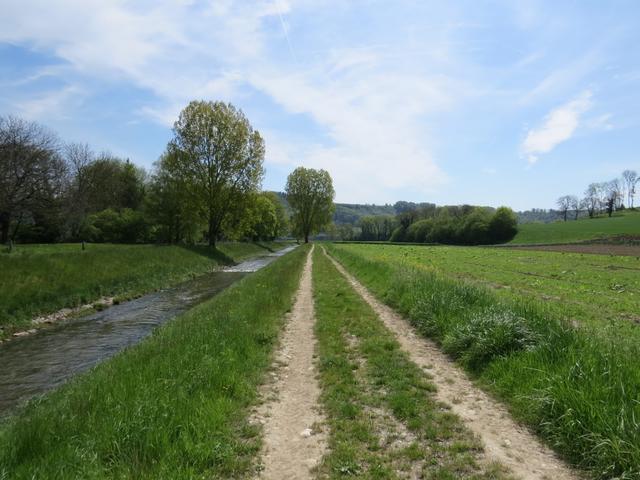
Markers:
(210, 252)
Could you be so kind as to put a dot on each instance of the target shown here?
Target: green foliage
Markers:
(174, 406)
(39, 279)
(217, 159)
(627, 223)
(457, 226)
(377, 228)
(111, 226)
(570, 383)
(310, 194)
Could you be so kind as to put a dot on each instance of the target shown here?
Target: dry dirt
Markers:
(293, 439)
(504, 441)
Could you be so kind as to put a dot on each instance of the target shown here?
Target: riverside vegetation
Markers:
(40, 279)
(576, 385)
(174, 406)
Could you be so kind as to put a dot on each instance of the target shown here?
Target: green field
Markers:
(40, 279)
(174, 406)
(573, 380)
(622, 223)
(581, 288)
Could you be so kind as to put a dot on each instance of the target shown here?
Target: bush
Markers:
(126, 226)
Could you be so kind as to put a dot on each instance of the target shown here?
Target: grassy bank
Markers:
(174, 406)
(39, 279)
(622, 223)
(577, 387)
(383, 417)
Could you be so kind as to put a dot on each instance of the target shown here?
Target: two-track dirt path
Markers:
(504, 440)
(293, 444)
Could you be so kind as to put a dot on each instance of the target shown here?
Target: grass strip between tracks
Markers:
(383, 418)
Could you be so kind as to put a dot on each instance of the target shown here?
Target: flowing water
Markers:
(33, 364)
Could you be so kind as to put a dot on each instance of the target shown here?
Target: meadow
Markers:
(40, 279)
(174, 406)
(575, 383)
(583, 288)
(621, 223)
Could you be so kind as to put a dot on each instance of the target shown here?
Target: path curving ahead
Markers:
(504, 440)
(293, 443)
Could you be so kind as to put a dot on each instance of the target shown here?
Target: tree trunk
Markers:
(565, 215)
(212, 233)
(4, 227)
(306, 238)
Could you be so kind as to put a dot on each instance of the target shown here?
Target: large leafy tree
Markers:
(310, 194)
(217, 157)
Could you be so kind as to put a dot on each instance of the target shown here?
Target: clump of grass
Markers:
(578, 387)
(488, 334)
(174, 406)
(39, 279)
(364, 373)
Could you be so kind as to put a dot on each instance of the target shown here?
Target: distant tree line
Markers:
(601, 198)
(428, 223)
(205, 187)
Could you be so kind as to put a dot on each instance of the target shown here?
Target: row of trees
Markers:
(427, 223)
(205, 187)
(603, 197)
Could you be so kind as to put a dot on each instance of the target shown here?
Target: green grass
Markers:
(40, 279)
(174, 406)
(593, 289)
(622, 223)
(383, 417)
(578, 387)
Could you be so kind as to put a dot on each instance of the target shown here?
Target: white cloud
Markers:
(558, 126)
(372, 114)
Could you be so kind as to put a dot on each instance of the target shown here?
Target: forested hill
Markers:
(350, 213)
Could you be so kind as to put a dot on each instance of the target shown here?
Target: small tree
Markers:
(310, 194)
(630, 179)
(564, 204)
(592, 199)
(612, 195)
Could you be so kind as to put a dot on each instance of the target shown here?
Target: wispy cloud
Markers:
(558, 126)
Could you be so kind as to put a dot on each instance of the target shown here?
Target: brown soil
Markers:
(597, 249)
(504, 440)
(293, 439)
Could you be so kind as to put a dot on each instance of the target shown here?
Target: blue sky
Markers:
(482, 102)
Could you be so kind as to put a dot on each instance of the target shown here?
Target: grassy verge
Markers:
(577, 387)
(384, 420)
(622, 223)
(39, 279)
(174, 406)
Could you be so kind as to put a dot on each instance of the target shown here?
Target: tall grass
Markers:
(578, 388)
(174, 406)
(44, 278)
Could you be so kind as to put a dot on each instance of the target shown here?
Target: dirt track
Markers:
(505, 441)
(293, 444)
